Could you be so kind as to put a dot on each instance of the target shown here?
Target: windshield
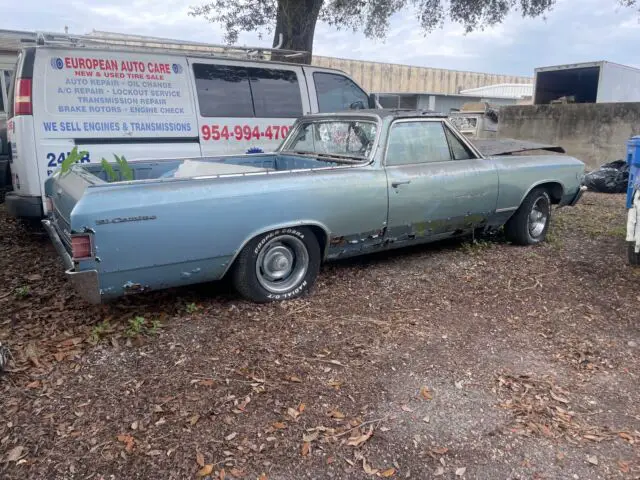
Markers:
(341, 138)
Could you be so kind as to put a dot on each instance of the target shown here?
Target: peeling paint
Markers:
(131, 287)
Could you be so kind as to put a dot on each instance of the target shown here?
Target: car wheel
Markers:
(634, 258)
(277, 265)
(530, 223)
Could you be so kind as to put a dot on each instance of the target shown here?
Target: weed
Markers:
(191, 308)
(126, 173)
(139, 326)
(23, 292)
(99, 330)
(476, 246)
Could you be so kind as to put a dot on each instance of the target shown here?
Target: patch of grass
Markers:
(191, 308)
(618, 231)
(99, 331)
(139, 326)
(23, 292)
(474, 247)
(553, 239)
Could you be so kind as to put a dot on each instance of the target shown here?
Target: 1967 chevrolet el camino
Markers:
(340, 185)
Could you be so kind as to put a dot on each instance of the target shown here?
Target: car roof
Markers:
(380, 113)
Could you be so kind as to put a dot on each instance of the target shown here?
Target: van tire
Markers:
(634, 258)
(530, 223)
(278, 265)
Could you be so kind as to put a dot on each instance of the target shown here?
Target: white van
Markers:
(144, 102)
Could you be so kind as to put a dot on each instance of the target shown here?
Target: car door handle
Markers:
(400, 182)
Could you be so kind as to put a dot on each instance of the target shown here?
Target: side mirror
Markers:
(359, 105)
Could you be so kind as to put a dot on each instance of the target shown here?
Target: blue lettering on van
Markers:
(55, 159)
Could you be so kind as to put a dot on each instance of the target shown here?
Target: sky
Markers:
(574, 31)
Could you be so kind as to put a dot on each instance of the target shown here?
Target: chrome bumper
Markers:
(579, 193)
(86, 282)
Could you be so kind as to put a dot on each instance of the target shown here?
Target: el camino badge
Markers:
(126, 219)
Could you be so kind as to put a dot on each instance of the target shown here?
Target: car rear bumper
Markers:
(85, 282)
(23, 207)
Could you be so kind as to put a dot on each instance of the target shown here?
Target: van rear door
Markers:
(133, 104)
(246, 107)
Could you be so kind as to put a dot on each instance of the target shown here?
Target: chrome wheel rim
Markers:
(282, 264)
(538, 217)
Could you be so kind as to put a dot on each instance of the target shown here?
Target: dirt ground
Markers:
(456, 360)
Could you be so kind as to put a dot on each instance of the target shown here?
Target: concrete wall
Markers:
(389, 77)
(596, 133)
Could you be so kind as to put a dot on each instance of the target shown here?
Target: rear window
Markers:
(337, 93)
(232, 91)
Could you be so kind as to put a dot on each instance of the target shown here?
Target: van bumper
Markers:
(23, 207)
(84, 282)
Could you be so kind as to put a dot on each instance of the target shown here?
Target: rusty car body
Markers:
(340, 185)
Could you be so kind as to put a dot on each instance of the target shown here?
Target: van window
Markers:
(276, 93)
(337, 92)
(223, 91)
(229, 91)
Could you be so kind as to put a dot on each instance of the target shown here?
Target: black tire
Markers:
(519, 228)
(634, 258)
(294, 246)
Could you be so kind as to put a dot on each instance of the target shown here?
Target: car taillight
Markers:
(81, 247)
(22, 104)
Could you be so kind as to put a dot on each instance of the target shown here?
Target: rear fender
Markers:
(543, 182)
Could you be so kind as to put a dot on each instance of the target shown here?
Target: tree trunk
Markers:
(296, 21)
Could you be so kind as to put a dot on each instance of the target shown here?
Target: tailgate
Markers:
(64, 191)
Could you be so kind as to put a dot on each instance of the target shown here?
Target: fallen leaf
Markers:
(439, 471)
(34, 278)
(406, 409)
(206, 470)
(237, 473)
(301, 407)
(367, 468)
(461, 471)
(279, 425)
(231, 436)
(336, 414)
(128, 441)
(70, 342)
(439, 450)
(162, 421)
(624, 466)
(426, 419)
(294, 379)
(425, 393)
(193, 420)
(263, 476)
(305, 449)
(389, 472)
(626, 436)
(15, 454)
(360, 439)
(200, 459)
(459, 384)
(293, 413)
(310, 437)
(222, 475)
(207, 382)
(595, 438)
(592, 459)
(335, 384)
(34, 384)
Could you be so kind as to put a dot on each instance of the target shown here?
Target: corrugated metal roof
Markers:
(501, 90)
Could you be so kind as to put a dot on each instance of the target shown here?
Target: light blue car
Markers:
(340, 185)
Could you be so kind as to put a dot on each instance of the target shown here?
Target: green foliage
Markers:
(99, 331)
(191, 308)
(296, 20)
(476, 246)
(72, 158)
(23, 292)
(139, 326)
(126, 172)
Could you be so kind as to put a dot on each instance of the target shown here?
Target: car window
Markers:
(459, 150)
(343, 138)
(417, 142)
(223, 90)
(337, 92)
(276, 93)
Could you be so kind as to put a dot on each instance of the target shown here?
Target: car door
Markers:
(437, 184)
(246, 107)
